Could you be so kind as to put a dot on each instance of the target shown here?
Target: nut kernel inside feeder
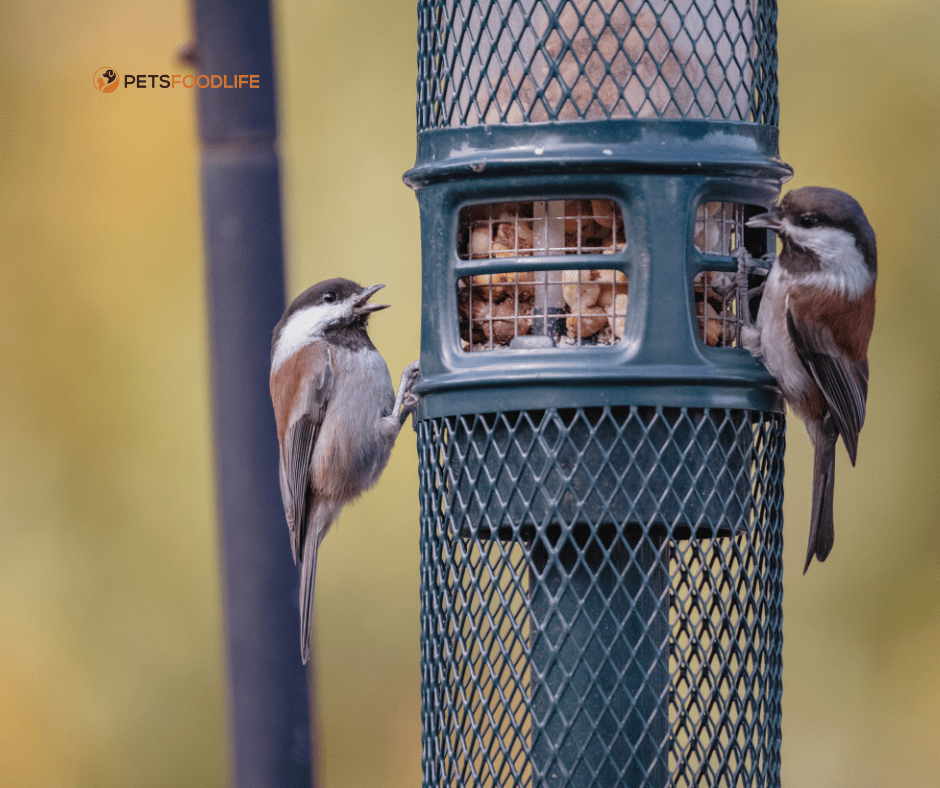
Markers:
(540, 227)
(494, 309)
(719, 227)
(574, 307)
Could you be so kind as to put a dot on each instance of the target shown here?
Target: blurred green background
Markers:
(111, 667)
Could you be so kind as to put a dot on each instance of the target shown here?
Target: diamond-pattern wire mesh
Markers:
(530, 61)
(601, 597)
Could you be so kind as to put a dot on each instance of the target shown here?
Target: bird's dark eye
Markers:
(329, 296)
(809, 220)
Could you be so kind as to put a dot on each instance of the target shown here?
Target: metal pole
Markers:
(269, 717)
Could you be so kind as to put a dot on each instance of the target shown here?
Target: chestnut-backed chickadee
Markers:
(337, 415)
(813, 327)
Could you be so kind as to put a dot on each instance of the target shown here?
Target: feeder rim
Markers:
(679, 146)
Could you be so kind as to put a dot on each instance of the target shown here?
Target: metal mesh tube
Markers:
(583, 622)
(525, 61)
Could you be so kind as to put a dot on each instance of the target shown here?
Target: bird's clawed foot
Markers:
(406, 403)
(747, 267)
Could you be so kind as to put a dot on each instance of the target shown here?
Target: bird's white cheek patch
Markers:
(844, 266)
(303, 327)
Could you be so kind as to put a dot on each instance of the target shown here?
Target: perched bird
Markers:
(337, 415)
(813, 326)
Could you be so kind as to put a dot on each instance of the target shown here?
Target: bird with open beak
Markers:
(337, 415)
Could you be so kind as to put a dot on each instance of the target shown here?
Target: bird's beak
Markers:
(362, 305)
(770, 220)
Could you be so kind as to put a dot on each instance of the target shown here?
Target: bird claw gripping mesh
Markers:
(601, 598)
(749, 279)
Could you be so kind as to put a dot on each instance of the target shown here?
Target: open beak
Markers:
(362, 305)
(770, 220)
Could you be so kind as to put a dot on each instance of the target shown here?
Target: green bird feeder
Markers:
(601, 463)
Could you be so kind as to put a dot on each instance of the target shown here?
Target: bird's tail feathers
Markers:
(308, 575)
(822, 529)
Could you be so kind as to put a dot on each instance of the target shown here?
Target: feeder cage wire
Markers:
(601, 464)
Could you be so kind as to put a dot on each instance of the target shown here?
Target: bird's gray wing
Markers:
(843, 381)
(300, 439)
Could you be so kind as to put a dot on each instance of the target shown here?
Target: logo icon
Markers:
(106, 80)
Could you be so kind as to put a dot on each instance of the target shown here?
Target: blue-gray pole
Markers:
(269, 722)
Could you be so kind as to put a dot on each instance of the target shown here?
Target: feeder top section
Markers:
(535, 61)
